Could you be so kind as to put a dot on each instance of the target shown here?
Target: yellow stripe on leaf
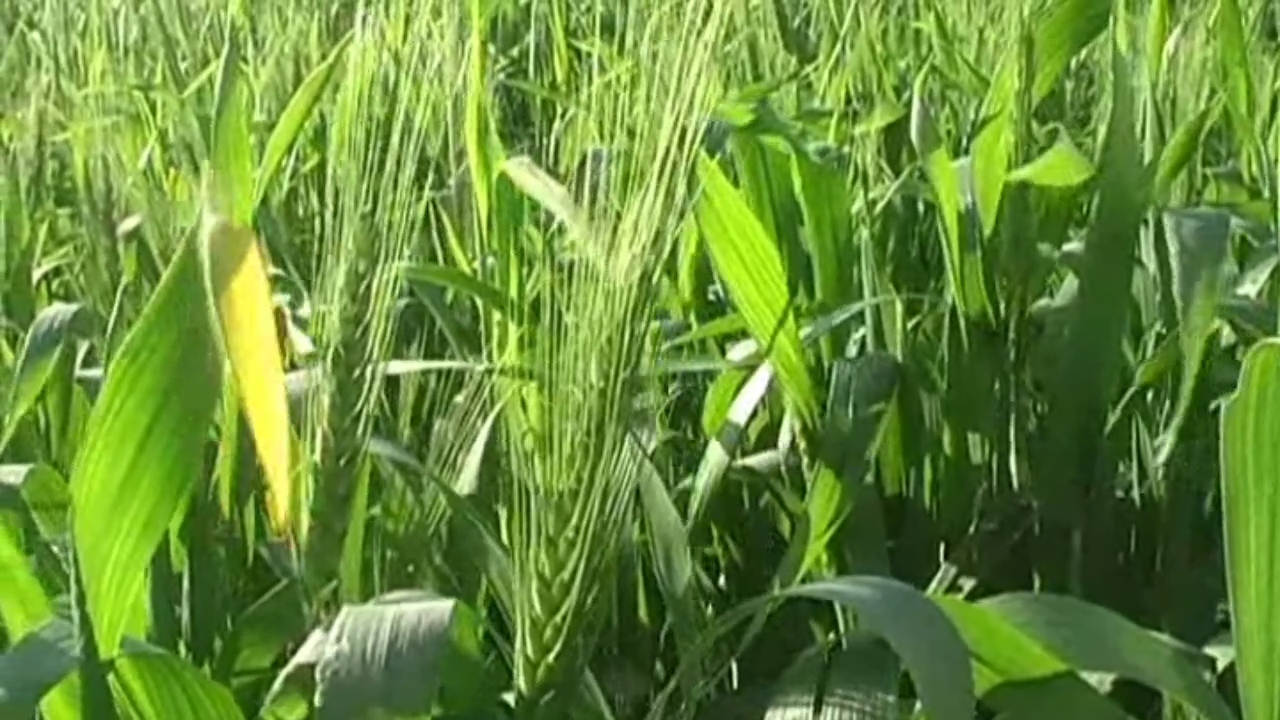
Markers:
(246, 318)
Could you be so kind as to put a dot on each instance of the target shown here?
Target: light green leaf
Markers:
(455, 279)
(143, 447)
(1061, 166)
(229, 185)
(1251, 526)
(750, 265)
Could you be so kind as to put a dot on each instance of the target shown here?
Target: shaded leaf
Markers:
(54, 327)
(34, 666)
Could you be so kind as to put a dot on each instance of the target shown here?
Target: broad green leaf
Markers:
(37, 670)
(54, 328)
(750, 265)
(294, 118)
(931, 648)
(386, 655)
(1251, 527)
(1199, 255)
(241, 295)
(156, 684)
(143, 448)
(1060, 166)
(1092, 638)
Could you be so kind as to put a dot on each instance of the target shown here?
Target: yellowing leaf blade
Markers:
(241, 294)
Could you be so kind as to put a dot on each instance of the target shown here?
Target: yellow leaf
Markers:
(246, 320)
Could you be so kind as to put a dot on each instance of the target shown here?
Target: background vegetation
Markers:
(639, 359)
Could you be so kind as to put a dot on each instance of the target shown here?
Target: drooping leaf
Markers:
(1251, 527)
(1092, 638)
(917, 630)
(142, 450)
(750, 265)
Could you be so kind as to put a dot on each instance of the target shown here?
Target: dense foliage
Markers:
(645, 359)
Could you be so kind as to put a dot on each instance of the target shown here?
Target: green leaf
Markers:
(750, 265)
(229, 186)
(143, 448)
(1250, 466)
(51, 332)
(1061, 166)
(1234, 64)
(1199, 255)
(1175, 156)
(33, 667)
(452, 278)
(156, 684)
(1091, 638)
(294, 118)
(992, 151)
(929, 645)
